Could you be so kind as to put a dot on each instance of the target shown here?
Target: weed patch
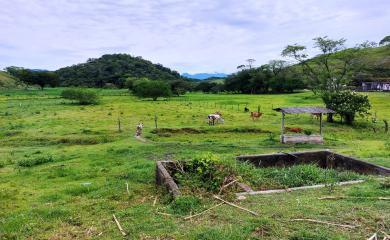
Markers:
(30, 162)
(208, 173)
(183, 205)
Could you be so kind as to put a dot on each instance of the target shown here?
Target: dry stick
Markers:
(225, 186)
(165, 214)
(373, 237)
(346, 197)
(127, 188)
(236, 206)
(198, 214)
(119, 225)
(155, 200)
(323, 222)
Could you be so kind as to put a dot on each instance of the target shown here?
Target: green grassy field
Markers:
(64, 168)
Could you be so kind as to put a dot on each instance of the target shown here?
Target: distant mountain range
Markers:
(202, 76)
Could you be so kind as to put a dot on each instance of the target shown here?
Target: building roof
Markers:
(297, 110)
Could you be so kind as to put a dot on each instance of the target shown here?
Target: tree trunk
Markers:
(349, 118)
(329, 117)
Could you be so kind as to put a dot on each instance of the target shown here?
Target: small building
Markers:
(375, 86)
(302, 138)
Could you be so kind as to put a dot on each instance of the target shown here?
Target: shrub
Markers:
(82, 96)
(30, 162)
(205, 172)
(347, 104)
(307, 132)
(152, 89)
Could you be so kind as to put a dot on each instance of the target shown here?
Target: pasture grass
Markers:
(75, 195)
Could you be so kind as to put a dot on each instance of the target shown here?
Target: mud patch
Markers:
(167, 132)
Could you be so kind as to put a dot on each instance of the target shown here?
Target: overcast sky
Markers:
(186, 35)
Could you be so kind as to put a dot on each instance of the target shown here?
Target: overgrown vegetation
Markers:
(81, 96)
(209, 173)
(34, 161)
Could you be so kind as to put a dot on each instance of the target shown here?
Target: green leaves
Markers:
(82, 96)
(347, 104)
(152, 89)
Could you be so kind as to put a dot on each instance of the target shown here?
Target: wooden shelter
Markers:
(302, 138)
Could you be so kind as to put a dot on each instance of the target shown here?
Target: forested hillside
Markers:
(113, 69)
(376, 65)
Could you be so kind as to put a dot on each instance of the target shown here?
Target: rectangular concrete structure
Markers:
(323, 158)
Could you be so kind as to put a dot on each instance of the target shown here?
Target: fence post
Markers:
(155, 121)
(119, 124)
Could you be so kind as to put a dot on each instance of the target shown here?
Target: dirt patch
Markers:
(239, 130)
(166, 132)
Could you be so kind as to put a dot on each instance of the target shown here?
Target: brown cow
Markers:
(256, 115)
(294, 129)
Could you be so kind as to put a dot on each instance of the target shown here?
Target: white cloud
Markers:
(190, 36)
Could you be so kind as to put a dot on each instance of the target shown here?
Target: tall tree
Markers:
(330, 72)
(385, 41)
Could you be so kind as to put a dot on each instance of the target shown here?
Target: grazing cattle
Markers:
(138, 131)
(246, 109)
(215, 118)
(294, 129)
(256, 115)
(316, 115)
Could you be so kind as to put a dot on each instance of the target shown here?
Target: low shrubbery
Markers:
(151, 89)
(30, 162)
(81, 96)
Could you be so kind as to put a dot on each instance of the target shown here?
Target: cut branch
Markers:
(236, 206)
(324, 222)
(119, 225)
(348, 197)
(198, 214)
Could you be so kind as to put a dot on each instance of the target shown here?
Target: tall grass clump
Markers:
(30, 162)
(81, 96)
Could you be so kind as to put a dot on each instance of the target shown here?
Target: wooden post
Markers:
(155, 120)
(282, 123)
(119, 124)
(321, 124)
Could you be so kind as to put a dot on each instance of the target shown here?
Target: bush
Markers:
(347, 104)
(30, 162)
(82, 96)
(307, 132)
(204, 172)
(152, 89)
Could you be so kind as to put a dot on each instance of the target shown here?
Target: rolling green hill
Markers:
(113, 69)
(7, 81)
(374, 65)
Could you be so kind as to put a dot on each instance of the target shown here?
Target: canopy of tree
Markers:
(276, 77)
(151, 89)
(113, 69)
